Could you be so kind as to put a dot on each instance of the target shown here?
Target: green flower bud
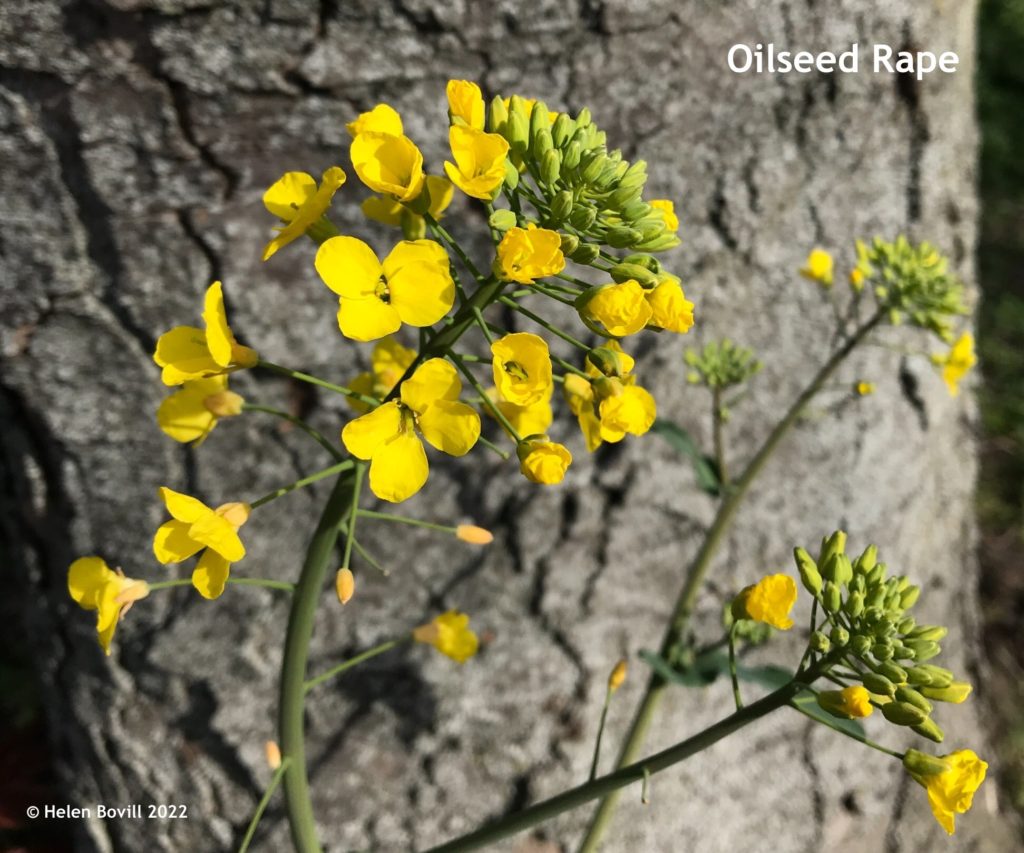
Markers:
(857, 584)
(607, 360)
(634, 176)
(604, 181)
(923, 649)
(854, 604)
(834, 544)
(872, 615)
(838, 569)
(497, 116)
(819, 642)
(878, 684)
(562, 130)
(625, 272)
(895, 674)
(830, 597)
(860, 644)
(907, 625)
(594, 165)
(551, 167)
(839, 636)
(583, 117)
(540, 124)
(892, 603)
(511, 176)
(933, 633)
(903, 714)
(621, 236)
(940, 677)
(587, 253)
(570, 243)
(882, 651)
(876, 599)
(909, 596)
(883, 627)
(636, 210)
(582, 217)
(902, 652)
(912, 697)
(808, 569)
(623, 196)
(517, 131)
(866, 561)
(918, 676)
(541, 145)
(956, 693)
(640, 259)
(561, 207)
(930, 729)
(664, 241)
(876, 575)
(571, 158)
(920, 765)
(502, 220)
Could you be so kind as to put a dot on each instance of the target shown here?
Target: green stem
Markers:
(499, 415)
(322, 383)
(300, 423)
(275, 780)
(351, 662)
(732, 668)
(350, 529)
(635, 772)
(718, 433)
(293, 668)
(675, 634)
(600, 733)
(402, 519)
(305, 481)
(847, 732)
(440, 231)
(261, 582)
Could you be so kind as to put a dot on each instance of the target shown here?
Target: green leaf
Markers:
(682, 442)
(808, 704)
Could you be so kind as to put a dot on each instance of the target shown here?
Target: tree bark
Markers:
(138, 137)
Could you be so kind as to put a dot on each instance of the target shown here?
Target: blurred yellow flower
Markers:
(769, 601)
(621, 308)
(189, 415)
(526, 254)
(388, 164)
(296, 199)
(388, 364)
(95, 586)
(450, 634)
(819, 267)
(479, 167)
(864, 389)
(543, 461)
(413, 285)
(951, 782)
(383, 118)
(194, 527)
(850, 702)
(387, 436)
(521, 364)
(957, 363)
(668, 212)
(186, 352)
(466, 102)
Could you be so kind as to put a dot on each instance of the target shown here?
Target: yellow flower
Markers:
(387, 436)
(189, 415)
(526, 254)
(466, 102)
(950, 780)
(381, 119)
(526, 420)
(579, 394)
(622, 309)
(670, 309)
(521, 365)
(479, 166)
(388, 364)
(850, 702)
(186, 352)
(857, 279)
(297, 200)
(388, 164)
(668, 212)
(957, 363)
(819, 267)
(450, 634)
(624, 409)
(864, 389)
(195, 527)
(388, 211)
(413, 285)
(769, 601)
(95, 586)
(543, 461)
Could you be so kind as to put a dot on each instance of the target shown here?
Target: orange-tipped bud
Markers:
(618, 675)
(345, 585)
(474, 535)
(273, 753)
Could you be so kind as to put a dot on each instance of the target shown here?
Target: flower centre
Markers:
(382, 292)
(516, 371)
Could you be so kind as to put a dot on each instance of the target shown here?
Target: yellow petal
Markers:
(310, 212)
(210, 574)
(422, 293)
(183, 355)
(288, 193)
(466, 102)
(388, 164)
(183, 507)
(219, 338)
(399, 468)
(383, 118)
(172, 543)
(367, 319)
(348, 267)
(441, 192)
(217, 533)
(450, 426)
(109, 610)
(184, 416)
(86, 578)
(521, 366)
(435, 379)
(409, 252)
(387, 211)
(365, 434)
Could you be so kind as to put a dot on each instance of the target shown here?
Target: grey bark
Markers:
(137, 139)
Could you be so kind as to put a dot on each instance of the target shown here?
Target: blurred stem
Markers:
(275, 780)
(439, 231)
(540, 321)
(850, 734)
(492, 407)
(718, 435)
(263, 582)
(300, 423)
(732, 668)
(600, 733)
(321, 383)
(355, 661)
(305, 481)
(674, 640)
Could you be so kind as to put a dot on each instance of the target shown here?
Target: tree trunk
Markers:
(138, 137)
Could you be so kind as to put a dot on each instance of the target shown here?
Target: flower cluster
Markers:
(721, 364)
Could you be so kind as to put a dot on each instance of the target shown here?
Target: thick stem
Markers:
(676, 632)
(620, 778)
(293, 668)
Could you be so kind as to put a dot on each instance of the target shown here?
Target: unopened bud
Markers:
(839, 636)
(912, 697)
(895, 674)
(511, 175)
(808, 569)
(854, 604)
(562, 130)
(587, 253)
(834, 544)
(571, 157)
(644, 260)
(830, 597)
(502, 220)
(879, 684)
(561, 206)
(930, 729)
(618, 675)
(497, 115)
(860, 644)
(882, 651)
(345, 585)
(569, 243)
(634, 272)
(621, 236)
(903, 714)
(582, 217)
(474, 535)
(923, 650)
(550, 166)
(273, 754)
(909, 596)
(820, 643)
(867, 561)
(955, 693)
(931, 633)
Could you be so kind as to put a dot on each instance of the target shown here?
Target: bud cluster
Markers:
(871, 629)
(593, 196)
(721, 364)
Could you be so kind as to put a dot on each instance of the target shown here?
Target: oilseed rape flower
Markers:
(621, 308)
(412, 285)
(388, 211)
(957, 362)
(864, 389)
(195, 527)
(819, 267)
(526, 254)
(383, 118)
(531, 419)
(95, 586)
(848, 703)
(388, 364)
(769, 600)
(668, 212)
(387, 436)
(521, 365)
(186, 352)
(450, 634)
(670, 309)
(479, 167)
(543, 461)
(189, 415)
(296, 199)
(388, 164)
(950, 780)
(465, 102)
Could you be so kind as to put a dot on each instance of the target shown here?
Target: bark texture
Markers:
(137, 139)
